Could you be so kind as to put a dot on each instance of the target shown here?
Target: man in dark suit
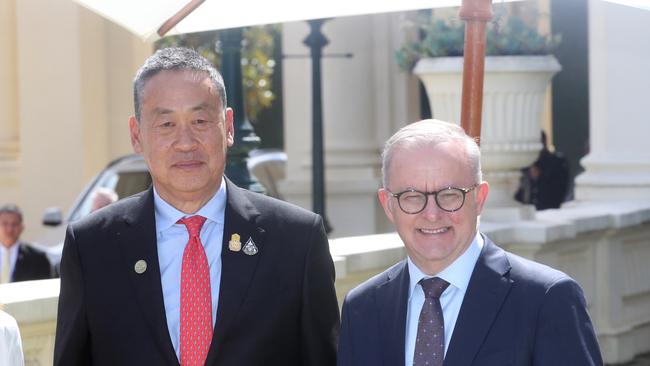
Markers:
(458, 299)
(194, 270)
(18, 260)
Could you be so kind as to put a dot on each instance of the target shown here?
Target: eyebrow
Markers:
(161, 111)
(199, 107)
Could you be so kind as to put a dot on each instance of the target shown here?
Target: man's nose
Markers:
(185, 137)
(431, 210)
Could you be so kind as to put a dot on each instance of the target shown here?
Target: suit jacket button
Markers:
(140, 266)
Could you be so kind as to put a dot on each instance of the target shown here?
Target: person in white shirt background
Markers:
(11, 349)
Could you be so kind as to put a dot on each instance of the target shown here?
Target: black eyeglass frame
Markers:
(464, 190)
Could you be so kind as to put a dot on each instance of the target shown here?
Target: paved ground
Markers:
(642, 360)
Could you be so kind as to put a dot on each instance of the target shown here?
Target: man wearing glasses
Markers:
(458, 297)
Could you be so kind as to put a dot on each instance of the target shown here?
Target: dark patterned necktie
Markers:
(430, 342)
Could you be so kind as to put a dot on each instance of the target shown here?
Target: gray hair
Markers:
(175, 58)
(430, 132)
(13, 209)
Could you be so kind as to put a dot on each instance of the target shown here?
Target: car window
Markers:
(124, 183)
(130, 183)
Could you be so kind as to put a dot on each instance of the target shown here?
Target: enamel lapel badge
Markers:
(250, 248)
(235, 243)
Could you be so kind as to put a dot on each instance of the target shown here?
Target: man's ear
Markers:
(134, 129)
(385, 198)
(230, 128)
(481, 196)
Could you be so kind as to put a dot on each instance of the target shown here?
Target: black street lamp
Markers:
(245, 137)
(316, 41)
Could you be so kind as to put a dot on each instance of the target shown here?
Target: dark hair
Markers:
(13, 209)
(176, 58)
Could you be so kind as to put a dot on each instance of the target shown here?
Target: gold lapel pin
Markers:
(140, 266)
(235, 243)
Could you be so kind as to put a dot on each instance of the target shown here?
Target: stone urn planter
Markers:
(513, 103)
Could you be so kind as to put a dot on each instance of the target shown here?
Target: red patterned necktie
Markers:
(196, 302)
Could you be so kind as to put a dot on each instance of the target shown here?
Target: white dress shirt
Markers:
(12, 252)
(11, 349)
(458, 274)
(171, 241)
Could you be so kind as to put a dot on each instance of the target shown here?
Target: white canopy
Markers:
(144, 17)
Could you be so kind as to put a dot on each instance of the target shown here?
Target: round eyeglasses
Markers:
(449, 199)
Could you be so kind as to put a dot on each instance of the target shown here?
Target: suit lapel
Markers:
(21, 266)
(487, 290)
(238, 268)
(138, 242)
(392, 298)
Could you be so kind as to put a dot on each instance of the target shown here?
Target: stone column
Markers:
(618, 164)
(9, 126)
(617, 174)
(73, 74)
(10, 183)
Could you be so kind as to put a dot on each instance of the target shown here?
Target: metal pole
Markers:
(316, 41)
(475, 13)
(180, 15)
(245, 137)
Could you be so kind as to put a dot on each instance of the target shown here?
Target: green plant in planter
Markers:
(506, 35)
(257, 61)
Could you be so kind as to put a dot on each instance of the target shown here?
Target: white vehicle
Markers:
(126, 176)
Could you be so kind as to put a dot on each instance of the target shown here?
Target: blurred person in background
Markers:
(545, 183)
(102, 196)
(11, 348)
(18, 260)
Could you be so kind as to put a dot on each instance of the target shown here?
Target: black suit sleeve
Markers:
(565, 335)
(320, 311)
(72, 344)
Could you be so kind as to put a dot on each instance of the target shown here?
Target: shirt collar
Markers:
(458, 273)
(12, 251)
(168, 215)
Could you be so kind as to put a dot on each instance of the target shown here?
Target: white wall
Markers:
(65, 97)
